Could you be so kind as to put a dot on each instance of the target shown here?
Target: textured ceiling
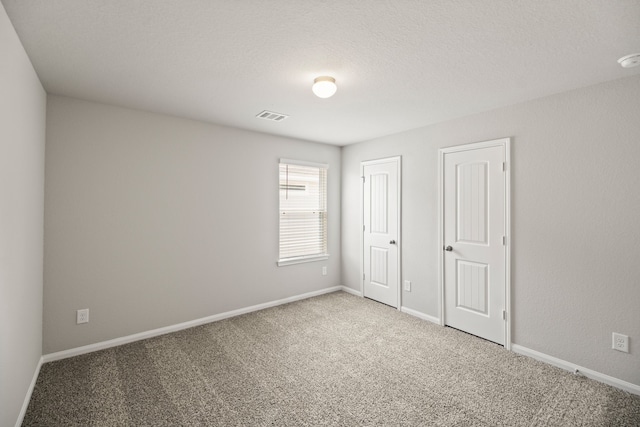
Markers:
(399, 64)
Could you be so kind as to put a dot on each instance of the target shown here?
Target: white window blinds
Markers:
(303, 211)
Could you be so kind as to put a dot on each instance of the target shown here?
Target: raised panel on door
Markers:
(472, 202)
(379, 270)
(379, 189)
(472, 292)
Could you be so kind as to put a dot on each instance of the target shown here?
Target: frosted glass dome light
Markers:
(630, 61)
(324, 86)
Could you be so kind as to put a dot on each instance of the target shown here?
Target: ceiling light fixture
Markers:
(324, 86)
(629, 61)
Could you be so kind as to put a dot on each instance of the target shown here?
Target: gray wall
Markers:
(153, 220)
(22, 136)
(575, 227)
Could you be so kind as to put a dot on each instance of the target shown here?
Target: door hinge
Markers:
(363, 228)
(504, 166)
(504, 240)
(504, 314)
(362, 276)
(362, 179)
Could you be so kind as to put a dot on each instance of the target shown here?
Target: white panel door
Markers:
(474, 216)
(381, 230)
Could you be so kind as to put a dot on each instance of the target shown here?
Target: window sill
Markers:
(302, 259)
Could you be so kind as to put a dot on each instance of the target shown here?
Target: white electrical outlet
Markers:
(407, 285)
(82, 316)
(620, 342)
(324, 270)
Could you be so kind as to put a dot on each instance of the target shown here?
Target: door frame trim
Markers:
(506, 144)
(398, 160)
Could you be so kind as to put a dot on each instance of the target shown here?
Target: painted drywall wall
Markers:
(153, 220)
(22, 141)
(575, 204)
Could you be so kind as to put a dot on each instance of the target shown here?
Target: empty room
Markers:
(303, 213)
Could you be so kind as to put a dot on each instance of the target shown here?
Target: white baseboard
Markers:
(420, 315)
(351, 291)
(568, 366)
(27, 398)
(180, 326)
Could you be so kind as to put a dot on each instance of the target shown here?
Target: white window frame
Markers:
(305, 258)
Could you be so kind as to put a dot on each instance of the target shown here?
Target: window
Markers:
(303, 212)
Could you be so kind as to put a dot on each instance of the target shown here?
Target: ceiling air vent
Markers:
(270, 115)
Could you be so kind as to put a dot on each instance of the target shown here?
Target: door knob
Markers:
(393, 242)
(448, 249)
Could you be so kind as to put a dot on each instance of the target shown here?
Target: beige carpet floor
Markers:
(333, 360)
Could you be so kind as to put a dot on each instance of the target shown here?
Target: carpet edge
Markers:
(572, 367)
(421, 315)
(102, 345)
